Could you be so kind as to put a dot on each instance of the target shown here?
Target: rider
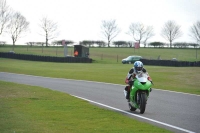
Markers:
(137, 69)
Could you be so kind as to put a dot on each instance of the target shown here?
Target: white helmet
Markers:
(138, 66)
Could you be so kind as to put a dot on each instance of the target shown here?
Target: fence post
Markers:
(56, 50)
(42, 48)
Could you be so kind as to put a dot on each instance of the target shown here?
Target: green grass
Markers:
(113, 55)
(34, 109)
(181, 79)
(31, 109)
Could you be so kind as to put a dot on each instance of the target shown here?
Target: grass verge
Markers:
(112, 54)
(34, 109)
(181, 79)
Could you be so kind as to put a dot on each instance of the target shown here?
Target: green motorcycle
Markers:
(139, 93)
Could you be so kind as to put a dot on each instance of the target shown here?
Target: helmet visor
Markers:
(139, 68)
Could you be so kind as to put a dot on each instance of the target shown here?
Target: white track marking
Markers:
(162, 123)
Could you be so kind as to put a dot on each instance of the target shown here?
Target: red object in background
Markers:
(63, 42)
(76, 53)
(137, 45)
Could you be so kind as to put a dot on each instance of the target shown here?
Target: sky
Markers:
(80, 20)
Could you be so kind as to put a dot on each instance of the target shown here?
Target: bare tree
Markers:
(100, 43)
(195, 31)
(4, 15)
(49, 27)
(110, 30)
(140, 33)
(119, 43)
(17, 26)
(149, 34)
(171, 31)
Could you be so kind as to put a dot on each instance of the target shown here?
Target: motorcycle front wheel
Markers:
(131, 107)
(143, 100)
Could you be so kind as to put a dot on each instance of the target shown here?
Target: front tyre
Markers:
(131, 107)
(143, 100)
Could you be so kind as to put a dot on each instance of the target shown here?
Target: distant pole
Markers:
(196, 53)
(56, 49)
(65, 48)
(13, 48)
(42, 47)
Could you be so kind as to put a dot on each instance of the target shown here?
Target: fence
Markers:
(88, 60)
(171, 63)
(45, 58)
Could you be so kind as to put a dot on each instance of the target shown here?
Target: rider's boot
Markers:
(128, 96)
(127, 92)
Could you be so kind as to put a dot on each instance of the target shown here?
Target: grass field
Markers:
(31, 109)
(182, 79)
(113, 55)
(35, 109)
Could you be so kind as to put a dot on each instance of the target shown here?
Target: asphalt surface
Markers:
(177, 112)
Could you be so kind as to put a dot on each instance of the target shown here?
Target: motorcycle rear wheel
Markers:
(143, 100)
(131, 107)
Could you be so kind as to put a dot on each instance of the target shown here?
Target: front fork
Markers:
(138, 98)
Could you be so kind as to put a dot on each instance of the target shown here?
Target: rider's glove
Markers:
(126, 81)
(149, 78)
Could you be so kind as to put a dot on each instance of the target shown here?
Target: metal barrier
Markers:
(45, 58)
(171, 63)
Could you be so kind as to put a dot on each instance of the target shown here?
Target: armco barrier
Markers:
(45, 58)
(171, 63)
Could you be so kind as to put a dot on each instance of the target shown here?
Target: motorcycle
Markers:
(139, 93)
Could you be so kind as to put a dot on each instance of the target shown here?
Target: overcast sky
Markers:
(81, 19)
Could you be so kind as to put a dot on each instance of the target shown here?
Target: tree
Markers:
(149, 33)
(49, 28)
(5, 13)
(17, 26)
(181, 44)
(110, 30)
(171, 31)
(130, 43)
(30, 43)
(140, 33)
(60, 42)
(195, 31)
(118, 43)
(195, 45)
(87, 42)
(100, 43)
(156, 44)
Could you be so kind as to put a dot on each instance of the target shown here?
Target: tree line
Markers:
(15, 24)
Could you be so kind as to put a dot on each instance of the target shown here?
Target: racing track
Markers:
(177, 112)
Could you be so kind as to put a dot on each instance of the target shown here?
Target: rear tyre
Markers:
(131, 107)
(143, 100)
